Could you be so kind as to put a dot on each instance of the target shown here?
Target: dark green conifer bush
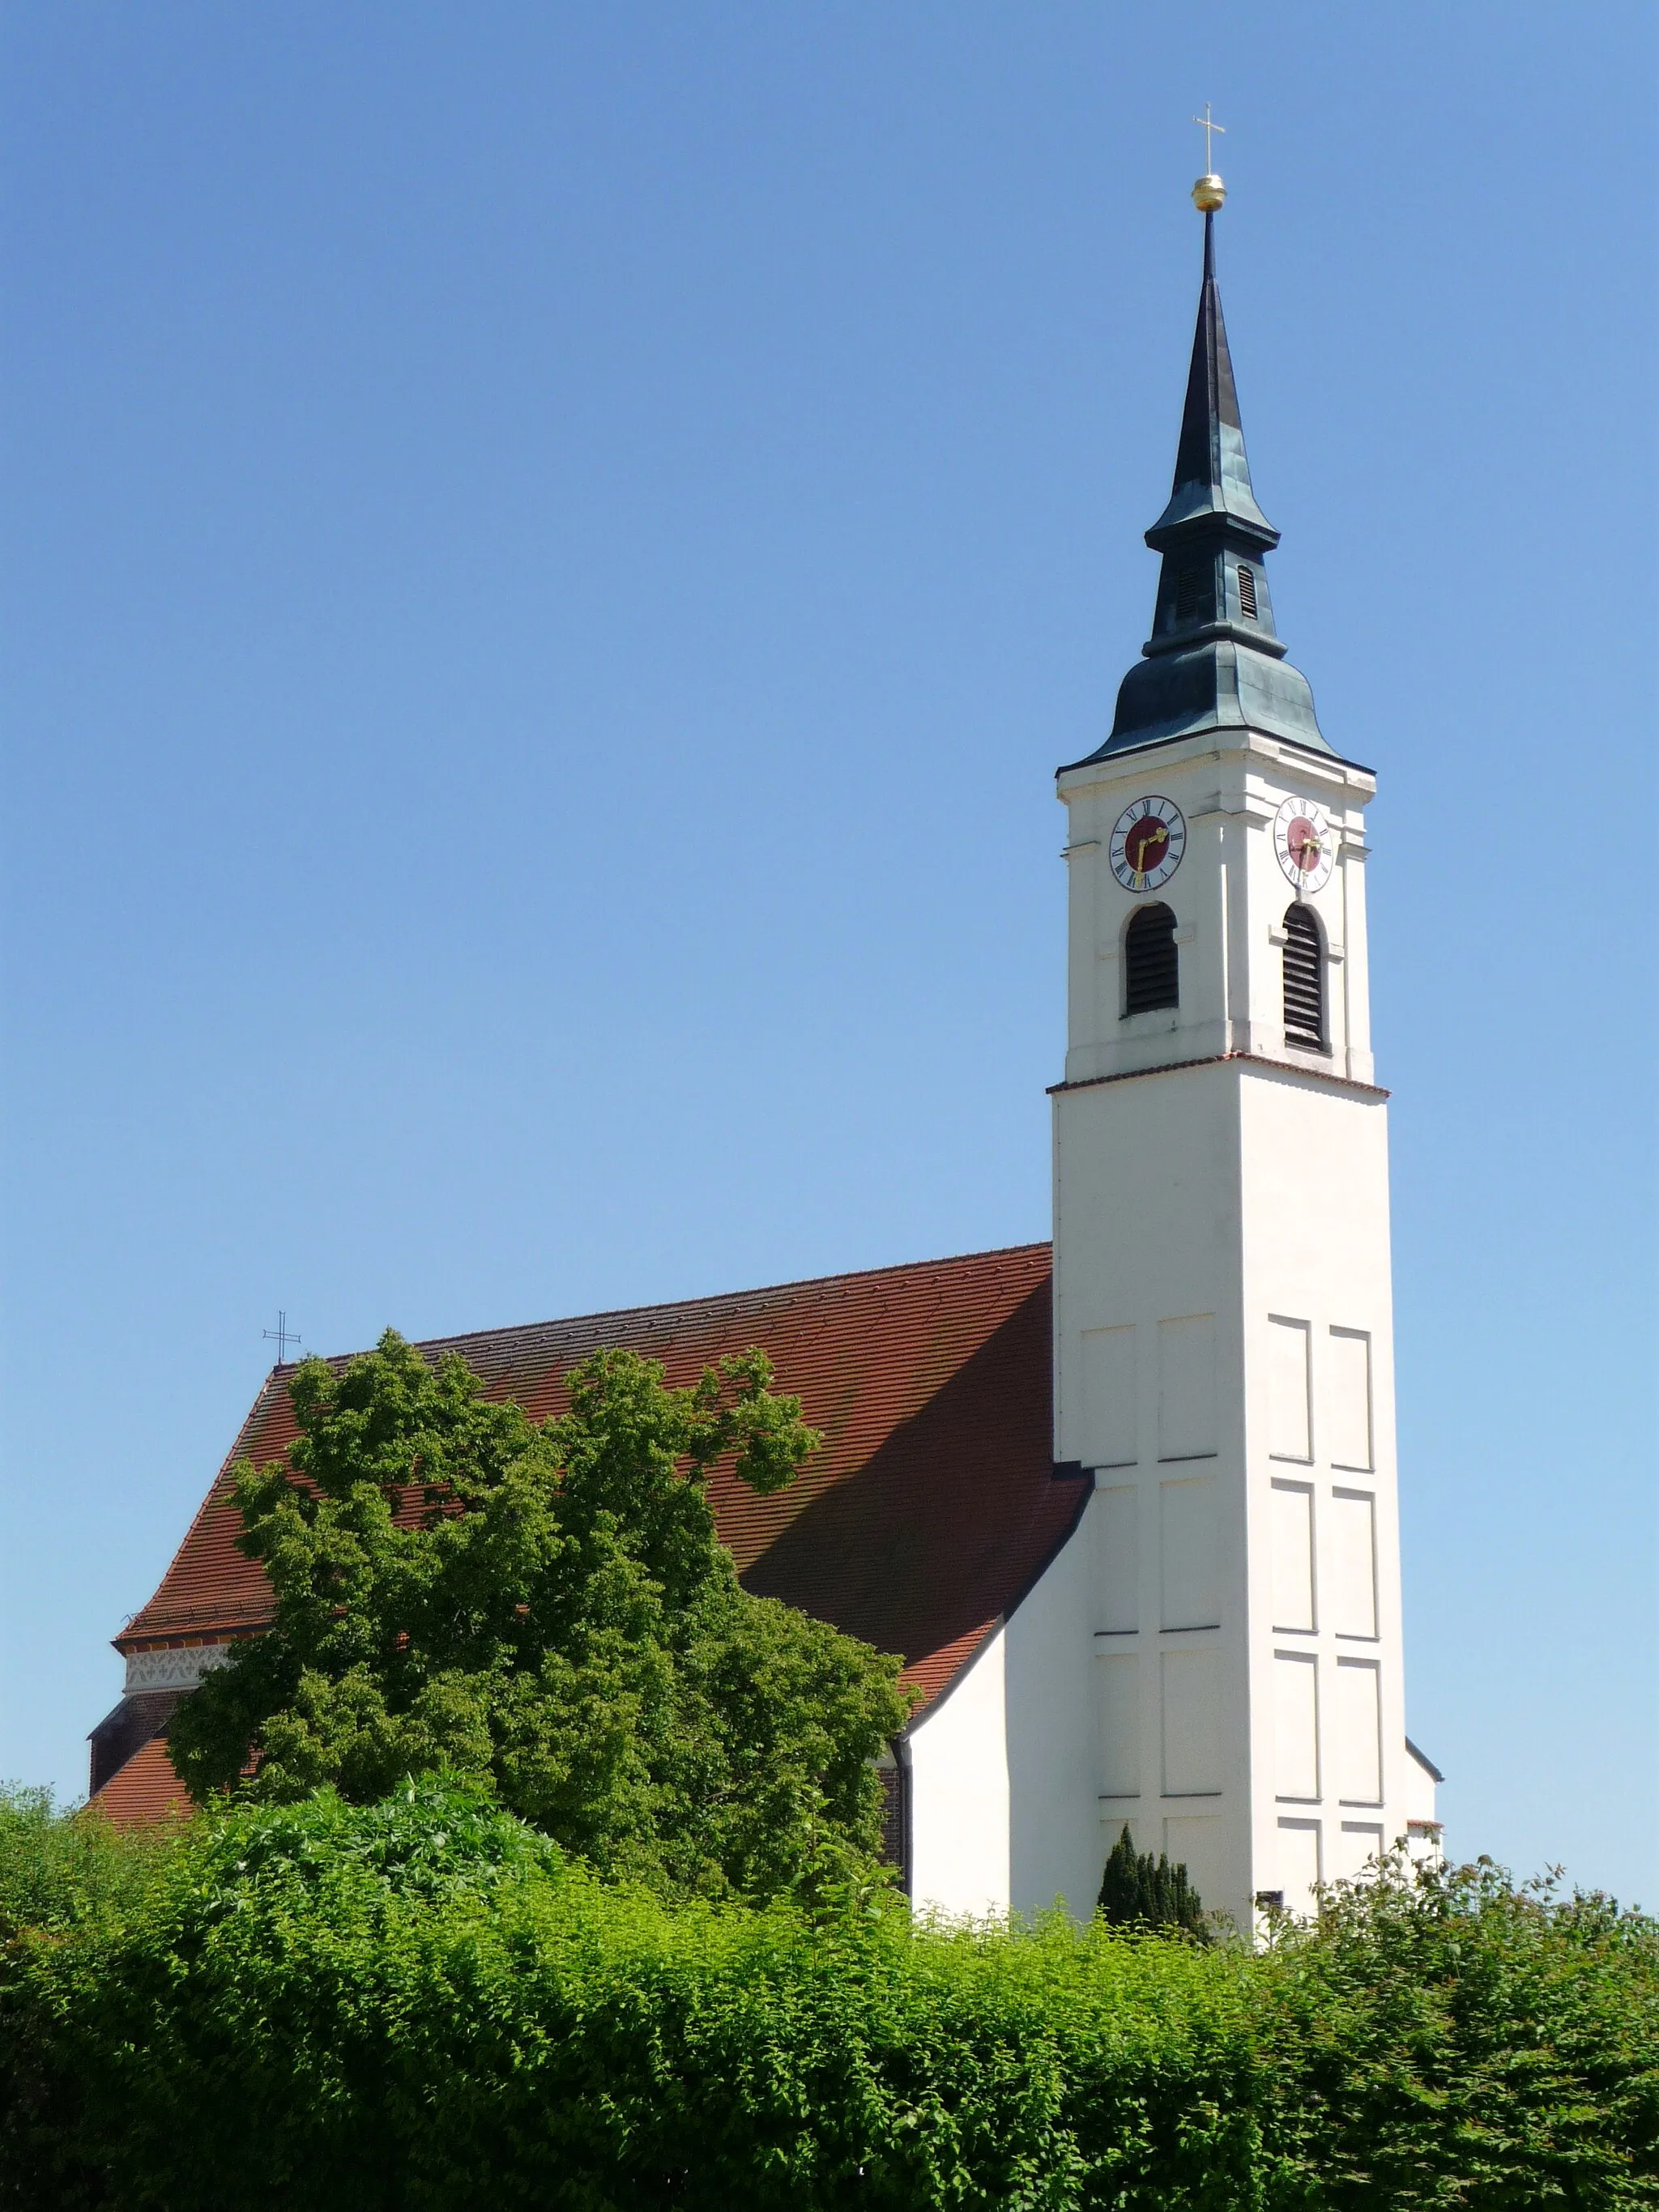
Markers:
(1139, 1891)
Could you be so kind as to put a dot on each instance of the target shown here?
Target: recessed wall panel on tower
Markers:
(1291, 1507)
(1189, 1552)
(1192, 1764)
(1198, 1842)
(1298, 1864)
(1185, 1388)
(1111, 1430)
(1116, 1515)
(1290, 1389)
(1348, 1367)
(1353, 1563)
(1358, 1730)
(1296, 1726)
(1117, 1674)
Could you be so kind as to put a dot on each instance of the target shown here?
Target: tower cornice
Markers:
(1277, 755)
(1325, 1077)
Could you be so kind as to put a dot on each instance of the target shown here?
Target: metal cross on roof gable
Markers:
(282, 1336)
(1208, 128)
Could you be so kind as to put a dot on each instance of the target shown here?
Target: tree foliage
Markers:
(1454, 2040)
(425, 2006)
(547, 1610)
(1139, 1891)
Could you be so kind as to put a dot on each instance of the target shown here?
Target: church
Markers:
(1124, 1502)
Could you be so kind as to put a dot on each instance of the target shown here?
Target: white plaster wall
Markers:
(1055, 1852)
(1314, 1191)
(1215, 1184)
(1147, 1217)
(959, 1798)
(1418, 1794)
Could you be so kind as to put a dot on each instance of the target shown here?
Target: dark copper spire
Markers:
(1212, 470)
(1214, 659)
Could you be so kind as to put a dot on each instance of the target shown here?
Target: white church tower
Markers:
(1222, 1331)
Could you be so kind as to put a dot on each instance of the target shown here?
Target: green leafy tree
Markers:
(1139, 1891)
(547, 1611)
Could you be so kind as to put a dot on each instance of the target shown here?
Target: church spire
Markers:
(1214, 659)
(1212, 470)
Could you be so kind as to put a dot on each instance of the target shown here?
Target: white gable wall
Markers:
(1054, 1849)
(1003, 1808)
(959, 1826)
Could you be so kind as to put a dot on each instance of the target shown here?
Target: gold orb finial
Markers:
(1209, 191)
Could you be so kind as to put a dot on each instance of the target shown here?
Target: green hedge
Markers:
(423, 2005)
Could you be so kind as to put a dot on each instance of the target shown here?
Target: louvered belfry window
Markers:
(1152, 964)
(1194, 590)
(1304, 980)
(1247, 592)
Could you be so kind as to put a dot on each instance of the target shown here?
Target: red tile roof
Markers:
(928, 1514)
(146, 1788)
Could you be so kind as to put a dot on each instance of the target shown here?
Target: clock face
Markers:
(1147, 843)
(1305, 843)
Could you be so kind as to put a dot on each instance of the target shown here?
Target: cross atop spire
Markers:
(1210, 130)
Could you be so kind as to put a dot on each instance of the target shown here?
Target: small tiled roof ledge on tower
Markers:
(1214, 660)
(929, 1513)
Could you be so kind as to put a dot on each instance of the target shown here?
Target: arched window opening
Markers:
(1247, 592)
(1304, 980)
(1195, 590)
(1152, 964)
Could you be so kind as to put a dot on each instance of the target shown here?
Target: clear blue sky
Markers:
(550, 555)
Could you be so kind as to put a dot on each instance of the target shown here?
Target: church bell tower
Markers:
(1223, 1330)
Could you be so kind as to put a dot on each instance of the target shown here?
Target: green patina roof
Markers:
(1214, 660)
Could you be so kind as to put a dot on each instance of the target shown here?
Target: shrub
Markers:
(425, 2004)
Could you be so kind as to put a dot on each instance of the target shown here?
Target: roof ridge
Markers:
(704, 1303)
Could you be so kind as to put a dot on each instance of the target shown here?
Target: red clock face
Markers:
(1145, 844)
(1148, 840)
(1305, 842)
